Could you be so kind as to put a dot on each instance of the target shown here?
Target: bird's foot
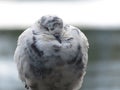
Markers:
(26, 87)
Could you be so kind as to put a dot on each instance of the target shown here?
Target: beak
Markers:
(58, 38)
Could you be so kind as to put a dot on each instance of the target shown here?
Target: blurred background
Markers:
(98, 19)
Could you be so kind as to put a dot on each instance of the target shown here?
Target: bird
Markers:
(52, 55)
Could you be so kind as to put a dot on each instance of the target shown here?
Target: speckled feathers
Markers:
(52, 55)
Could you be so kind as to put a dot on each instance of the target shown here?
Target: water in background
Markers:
(103, 71)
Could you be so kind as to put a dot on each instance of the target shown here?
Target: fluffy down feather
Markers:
(51, 55)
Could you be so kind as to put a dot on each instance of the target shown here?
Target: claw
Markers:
(26, 86)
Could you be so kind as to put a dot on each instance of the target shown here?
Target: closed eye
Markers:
(69, 39)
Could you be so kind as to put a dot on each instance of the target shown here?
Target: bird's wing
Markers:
(80, 58)
(24, 53)
(83, 45)
(20, 54)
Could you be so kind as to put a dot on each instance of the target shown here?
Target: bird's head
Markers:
(52, 24)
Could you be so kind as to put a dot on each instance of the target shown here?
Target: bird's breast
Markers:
(51, 47)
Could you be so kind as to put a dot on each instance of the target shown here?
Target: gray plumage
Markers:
(51, 55)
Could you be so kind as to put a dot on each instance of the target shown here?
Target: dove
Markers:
(52, 55)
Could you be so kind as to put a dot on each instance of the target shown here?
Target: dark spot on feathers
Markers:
(80, 66)
(56, 50)
(57, 37)
(59, 62)
(41, 71)
(33, 32)
(74, 60)
(26, 75)
(79, 63)
(34, 39)
(34, 47)
(46, 28)
(79, 48)
(69, 39)
(77, 60)
(55, 18)
(71, 61)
